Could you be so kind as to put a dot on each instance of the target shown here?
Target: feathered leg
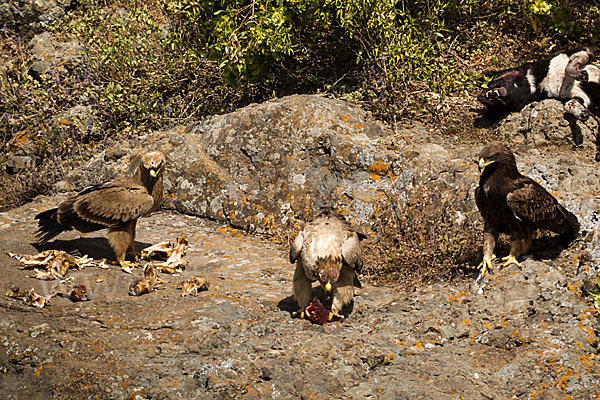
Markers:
(343, 292)
(131, 248)
(489, 242)
(302, 288)
(517, 248)
(120, 240)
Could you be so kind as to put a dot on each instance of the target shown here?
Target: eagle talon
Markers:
(298, 314)
(335, 314)
(510, 260)
(485, 264)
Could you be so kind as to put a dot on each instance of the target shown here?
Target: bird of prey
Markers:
(515, 205)
(327, 250)
(116, 205)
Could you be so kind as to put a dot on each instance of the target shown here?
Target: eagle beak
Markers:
(328, 290)
(154, 172)
(482, 164)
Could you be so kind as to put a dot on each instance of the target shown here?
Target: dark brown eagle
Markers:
(327, 250)
(116, 205)
(516, 205)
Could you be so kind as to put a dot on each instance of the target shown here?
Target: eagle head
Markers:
(496, 153)
(153, 162)
(329, 269)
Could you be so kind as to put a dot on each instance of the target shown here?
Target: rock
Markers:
(544, 123)
(27, 17)
(239, 340)
(271, 166)
(51, 55)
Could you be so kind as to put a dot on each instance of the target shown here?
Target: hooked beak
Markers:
(328, 290)
(153, 172)
(482, 164)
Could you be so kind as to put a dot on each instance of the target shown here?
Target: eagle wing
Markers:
(532, 203)
(109, 204)
(296, 246)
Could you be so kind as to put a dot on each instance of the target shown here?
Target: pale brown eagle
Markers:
(116, 205)
(515, 205)
(326, 250)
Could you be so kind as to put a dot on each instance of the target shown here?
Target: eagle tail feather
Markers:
(48, 225)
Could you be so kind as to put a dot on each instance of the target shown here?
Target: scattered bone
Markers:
(56, 262)
(162, 249)
(175, 263)
(29, 261)
(193, 285)
(74, 293)
(140, 287)
(42, 275)
(30, 298)
(151, 275)
(80, 293)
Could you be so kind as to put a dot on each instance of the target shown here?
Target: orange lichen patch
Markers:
(585, 361)
(418, 345)
(561, 383)
(466, 321)
(570, 287)
(345, 118)
(506, 321)
(38, 370)
(64, 121)
(590, 339)
(173, 196)
(378, 167)
(457, 296)
(586, 329)
(487, 325)
(357, 126)
(532, 395)
(207, 244)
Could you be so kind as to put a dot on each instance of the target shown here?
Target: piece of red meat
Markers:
(317, 312)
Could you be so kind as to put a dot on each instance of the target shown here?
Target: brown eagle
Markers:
(516, 205)
(327, 250)
(116, 205)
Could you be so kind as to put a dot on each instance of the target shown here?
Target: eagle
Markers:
(115, 205)
(515, 205)
(326, 250)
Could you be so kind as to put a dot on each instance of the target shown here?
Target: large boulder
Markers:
(263, 166)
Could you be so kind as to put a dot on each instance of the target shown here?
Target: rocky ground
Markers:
(522, 333)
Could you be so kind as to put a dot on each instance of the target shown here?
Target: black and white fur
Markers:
(568, 76)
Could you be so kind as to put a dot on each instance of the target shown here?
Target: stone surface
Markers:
(51, 55)
(27, 17)
(544, 123)
(525, 332)
(273, 165)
